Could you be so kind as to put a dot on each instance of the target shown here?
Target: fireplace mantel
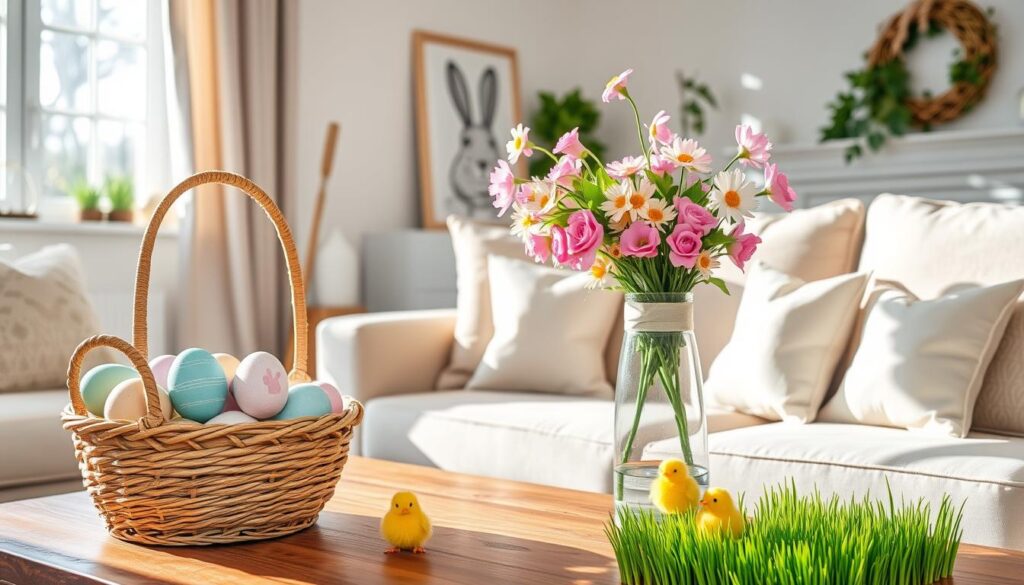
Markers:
(962, 166)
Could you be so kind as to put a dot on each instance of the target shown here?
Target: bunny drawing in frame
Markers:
(478, 148)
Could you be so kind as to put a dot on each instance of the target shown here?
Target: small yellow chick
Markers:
(674, 490)
(405, 526)
(718, 512)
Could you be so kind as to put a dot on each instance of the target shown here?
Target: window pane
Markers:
(123, 18)
(121, 79)
(65, 152)
(70, 13)
(120, 147)
(64, 72)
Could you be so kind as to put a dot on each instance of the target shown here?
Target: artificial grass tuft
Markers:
(793, 539)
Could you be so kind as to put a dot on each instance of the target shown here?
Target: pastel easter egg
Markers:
(337, 404)
(307, 399)
(230, 404)
(261, 385)
(127, 401)
(98, 382)
(161, 365)
(197, 385)
(231, 417)
(228, 363)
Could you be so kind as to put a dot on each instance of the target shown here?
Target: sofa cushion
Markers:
(933, 246)
(36, 449)
(564, 441)
(985, 470)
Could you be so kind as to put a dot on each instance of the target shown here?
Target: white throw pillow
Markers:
(788, 338)
(550, 331)
(44, 315)
(919, 364)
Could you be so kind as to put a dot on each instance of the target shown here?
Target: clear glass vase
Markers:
(659, 404)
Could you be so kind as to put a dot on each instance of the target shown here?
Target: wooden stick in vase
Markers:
(326, 165)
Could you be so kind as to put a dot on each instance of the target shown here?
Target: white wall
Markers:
(352, 63)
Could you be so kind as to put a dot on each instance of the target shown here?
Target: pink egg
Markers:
(161, 365)
(261, 385)
(337, 404)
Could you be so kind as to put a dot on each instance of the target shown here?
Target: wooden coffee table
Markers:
(487, 531)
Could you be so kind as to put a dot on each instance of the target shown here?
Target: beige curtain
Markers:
(233, 271)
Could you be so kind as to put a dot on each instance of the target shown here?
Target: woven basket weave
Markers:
(181, 483)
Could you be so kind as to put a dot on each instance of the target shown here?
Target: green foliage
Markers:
(121, 193)
(875, 105)
(694, 97)
(793, 539)
(558, 116)
(87, 196)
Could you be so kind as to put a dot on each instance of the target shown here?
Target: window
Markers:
(83, 84)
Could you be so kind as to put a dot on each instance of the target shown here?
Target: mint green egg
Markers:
(305, 400)
(196, 385)
(97, 383)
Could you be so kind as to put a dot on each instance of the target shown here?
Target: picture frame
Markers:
(467, 97)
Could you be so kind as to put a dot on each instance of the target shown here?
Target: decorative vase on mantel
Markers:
(659, 403)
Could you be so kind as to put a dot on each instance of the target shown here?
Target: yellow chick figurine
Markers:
(674, 490)
(405, 526)
(718, 512)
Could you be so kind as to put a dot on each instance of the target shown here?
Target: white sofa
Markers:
(391, 361)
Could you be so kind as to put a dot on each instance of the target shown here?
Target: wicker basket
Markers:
(182, 483)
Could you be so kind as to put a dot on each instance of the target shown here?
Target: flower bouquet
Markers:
(654, 225)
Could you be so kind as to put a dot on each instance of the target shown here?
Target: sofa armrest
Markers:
(380, 354)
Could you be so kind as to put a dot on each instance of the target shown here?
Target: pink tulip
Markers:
(502, 187)
(584, 235)
(615, 86)
(743, 246)
(777, 184)
(569, 144)
(661, 165)
(695, 217)
(753, 148)
(565, 170)
(684, 246)
(659, 130)
(538, 248)
(640, 239)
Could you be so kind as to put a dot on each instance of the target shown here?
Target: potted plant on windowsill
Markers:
(121, 194)
(88, 198)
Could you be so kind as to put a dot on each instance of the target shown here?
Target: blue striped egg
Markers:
(197, 385)
(305, 400)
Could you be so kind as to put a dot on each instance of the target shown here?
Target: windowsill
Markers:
(85, 228)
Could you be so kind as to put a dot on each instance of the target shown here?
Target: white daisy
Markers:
(539, 197)
(617, 200)
(639, 199)
(525, 223)
(734, 196)
(705, 263)
(627, 167)
(688, 155)
(659, 212)
(519, 145)
(600, 272)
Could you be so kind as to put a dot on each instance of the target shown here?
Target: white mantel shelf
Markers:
(962, 166)
(85, 228)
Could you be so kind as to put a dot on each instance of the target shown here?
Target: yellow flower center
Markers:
(684, 158)
(527, 221)
(544, 200)
(615, 251)
(655, 215)
(518, 142)
(637, 200)
(731, 199)
(612, 81)
(598, 271)
(620, 201)
(704, 261)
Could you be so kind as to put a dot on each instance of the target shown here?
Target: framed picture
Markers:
(467, 97)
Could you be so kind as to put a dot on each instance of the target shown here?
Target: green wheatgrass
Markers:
(794, 539)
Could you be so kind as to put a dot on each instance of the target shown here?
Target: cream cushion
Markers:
(44, 315)
(810, 244)
(931, 247)
(986, 471)
(564, 441)
(472, 242)
(919, 364)
(34, 448)
(789, 336)
(550, 331)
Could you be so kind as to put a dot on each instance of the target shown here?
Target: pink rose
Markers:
(559, 244)
(584, 235)
(743, 246)
(696, 217)
(569, 144)
(684, 246)
(538, 247)
(777, 184)
(640, 239)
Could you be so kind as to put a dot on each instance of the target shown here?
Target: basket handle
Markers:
(284, 235)
(154, 416)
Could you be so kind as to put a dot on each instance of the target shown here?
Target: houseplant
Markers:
(557, 116)
(655, 226)
(88, 199)
(121, 194)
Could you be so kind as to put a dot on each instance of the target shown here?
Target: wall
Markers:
(351, 62)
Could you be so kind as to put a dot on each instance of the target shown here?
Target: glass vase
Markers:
(659, 404)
